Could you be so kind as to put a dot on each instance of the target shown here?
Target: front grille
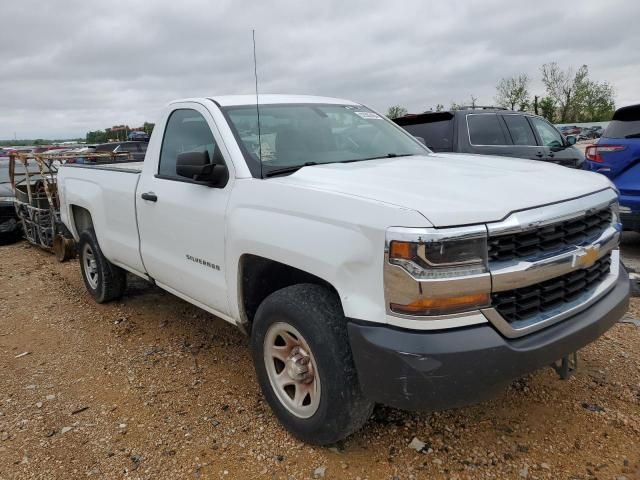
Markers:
(523, 303)
(548, 238)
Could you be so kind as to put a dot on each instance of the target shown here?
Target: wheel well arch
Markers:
(81, 218)
(259, 277)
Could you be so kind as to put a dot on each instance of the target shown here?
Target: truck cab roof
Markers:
(267, 99)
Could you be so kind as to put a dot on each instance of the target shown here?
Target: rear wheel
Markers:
(104, 280)
(304, 365)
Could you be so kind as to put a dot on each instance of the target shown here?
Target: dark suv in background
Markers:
(493, 131)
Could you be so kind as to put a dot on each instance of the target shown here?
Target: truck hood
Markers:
(453, 189)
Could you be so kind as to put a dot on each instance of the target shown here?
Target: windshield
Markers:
(295, 135)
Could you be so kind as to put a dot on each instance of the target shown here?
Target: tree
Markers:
(439, 107)
(396, 111)
(575, 96)
(547, 108)
(148, 127)
(513, 92)
(97, 136)
(563, 86)
(595, 101)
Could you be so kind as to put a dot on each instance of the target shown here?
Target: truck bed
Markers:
(131, 167)
(108, 191)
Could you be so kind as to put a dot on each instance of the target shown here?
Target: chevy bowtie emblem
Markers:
(585, 258)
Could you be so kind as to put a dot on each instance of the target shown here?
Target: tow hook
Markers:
(567, 366)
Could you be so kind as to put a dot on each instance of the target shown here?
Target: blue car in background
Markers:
(617, 155)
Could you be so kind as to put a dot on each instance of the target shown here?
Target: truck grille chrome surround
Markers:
(555, 314)
(555, 237)
(549, 263)
(525, 303)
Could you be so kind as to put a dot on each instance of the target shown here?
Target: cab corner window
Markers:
(484, 129)
(186, 131)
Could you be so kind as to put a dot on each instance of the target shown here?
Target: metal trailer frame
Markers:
(35, 188)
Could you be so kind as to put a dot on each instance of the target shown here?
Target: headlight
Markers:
(449, 267)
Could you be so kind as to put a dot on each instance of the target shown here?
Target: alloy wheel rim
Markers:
(292, 370)
(90, 266)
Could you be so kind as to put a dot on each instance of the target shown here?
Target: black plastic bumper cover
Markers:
(437, 370)
(630, 221)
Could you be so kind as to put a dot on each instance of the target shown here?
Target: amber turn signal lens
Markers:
(441, 306)
(400, 250)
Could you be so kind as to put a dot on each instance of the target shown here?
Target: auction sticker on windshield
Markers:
(368, 115)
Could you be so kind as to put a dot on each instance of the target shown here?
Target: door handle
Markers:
(539, 154)
(149, 196)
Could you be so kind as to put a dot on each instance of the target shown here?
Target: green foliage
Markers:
(571, 97)
(513, 92)
(595, 102)
(578, 99)
(97, 136)
(111, 134)
(148, 127)
(439, 107)
(396, 111)
(547, 108)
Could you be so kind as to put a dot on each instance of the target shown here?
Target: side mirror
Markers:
(197, 166)
(571, 139)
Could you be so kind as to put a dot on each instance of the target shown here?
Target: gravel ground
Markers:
(154, 388)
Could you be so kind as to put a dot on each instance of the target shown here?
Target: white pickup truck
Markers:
(364, 267)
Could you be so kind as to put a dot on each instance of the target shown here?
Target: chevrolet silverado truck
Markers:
(365, 268)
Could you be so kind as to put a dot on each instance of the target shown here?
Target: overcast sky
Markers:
(70, 66)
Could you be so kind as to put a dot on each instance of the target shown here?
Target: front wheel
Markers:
(304, 365)
(104, 280)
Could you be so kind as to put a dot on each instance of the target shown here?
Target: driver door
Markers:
(182, 221)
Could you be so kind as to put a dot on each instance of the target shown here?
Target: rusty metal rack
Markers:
(34, 182)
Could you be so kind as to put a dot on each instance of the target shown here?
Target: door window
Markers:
(520, 130)
(484, 129)
(548, 134)
(186, 131)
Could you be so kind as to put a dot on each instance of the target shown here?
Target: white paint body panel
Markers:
(327, 220)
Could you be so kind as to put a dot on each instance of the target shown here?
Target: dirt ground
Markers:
(153, 388)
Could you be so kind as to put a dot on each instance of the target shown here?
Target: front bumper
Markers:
(438, 370)
(630, 220)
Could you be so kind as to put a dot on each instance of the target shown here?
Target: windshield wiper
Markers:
(388, 155)
(290, 169)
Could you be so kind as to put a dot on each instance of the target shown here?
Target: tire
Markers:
(335, 406)
(104, 280)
